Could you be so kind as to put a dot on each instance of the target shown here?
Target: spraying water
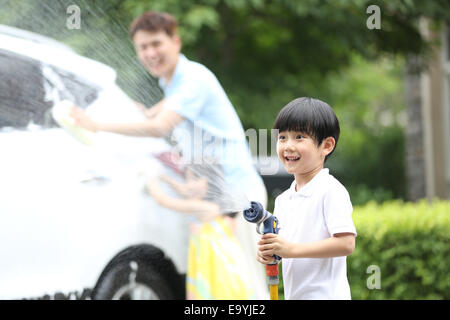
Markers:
(111, 45)
(106, 42)
(217, 189)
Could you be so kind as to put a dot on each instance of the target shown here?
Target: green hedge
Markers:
(409, 243)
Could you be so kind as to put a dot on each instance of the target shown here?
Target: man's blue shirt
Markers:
(212, 127)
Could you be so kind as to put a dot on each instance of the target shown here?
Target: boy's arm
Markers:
(341, 244)
(179, 187)
(204, 210)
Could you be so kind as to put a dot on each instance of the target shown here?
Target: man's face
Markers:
(158, 52)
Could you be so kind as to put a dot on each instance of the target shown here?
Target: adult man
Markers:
(195, 110)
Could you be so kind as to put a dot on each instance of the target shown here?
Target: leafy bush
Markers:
(409, 242)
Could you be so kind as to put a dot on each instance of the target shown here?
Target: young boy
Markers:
(315, 213)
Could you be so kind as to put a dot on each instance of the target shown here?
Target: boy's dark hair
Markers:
(311, 116)
(154, 21)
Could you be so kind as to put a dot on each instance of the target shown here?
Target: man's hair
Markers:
(311, 116)
(154, 21)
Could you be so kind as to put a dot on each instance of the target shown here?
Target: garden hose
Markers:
(257, 214)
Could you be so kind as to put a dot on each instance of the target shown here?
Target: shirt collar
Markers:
(181, 60)
(308, 189)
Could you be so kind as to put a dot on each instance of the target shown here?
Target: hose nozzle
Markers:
(257, 214)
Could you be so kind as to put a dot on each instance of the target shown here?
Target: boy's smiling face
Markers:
(300, 154)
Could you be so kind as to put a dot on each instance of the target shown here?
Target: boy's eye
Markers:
(299, 136)
(281, 137)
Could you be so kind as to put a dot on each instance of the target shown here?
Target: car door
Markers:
(65, 209)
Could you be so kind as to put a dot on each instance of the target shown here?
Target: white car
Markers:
(75, 220)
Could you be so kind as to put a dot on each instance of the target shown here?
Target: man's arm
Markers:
(341, 244)
(162, 124)
(153, 110)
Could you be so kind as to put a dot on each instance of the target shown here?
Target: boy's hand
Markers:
(271, 244)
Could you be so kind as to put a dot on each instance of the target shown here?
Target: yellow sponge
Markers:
(60, 113)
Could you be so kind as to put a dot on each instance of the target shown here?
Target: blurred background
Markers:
(389, 86)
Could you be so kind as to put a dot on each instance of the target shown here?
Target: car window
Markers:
(21, 91)
(29, 89)
(69, 86)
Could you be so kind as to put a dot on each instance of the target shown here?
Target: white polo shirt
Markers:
(318, 210)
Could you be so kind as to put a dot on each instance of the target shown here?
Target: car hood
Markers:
(60, 57)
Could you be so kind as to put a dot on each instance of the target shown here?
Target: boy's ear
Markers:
(328, 145)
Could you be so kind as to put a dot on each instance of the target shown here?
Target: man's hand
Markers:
(82, 120)
(271, 244)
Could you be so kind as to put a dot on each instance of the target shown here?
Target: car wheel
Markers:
(139, 273)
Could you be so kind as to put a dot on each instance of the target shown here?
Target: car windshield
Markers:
(29, 89)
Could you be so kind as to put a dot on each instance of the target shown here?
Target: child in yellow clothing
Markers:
(215, 258)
